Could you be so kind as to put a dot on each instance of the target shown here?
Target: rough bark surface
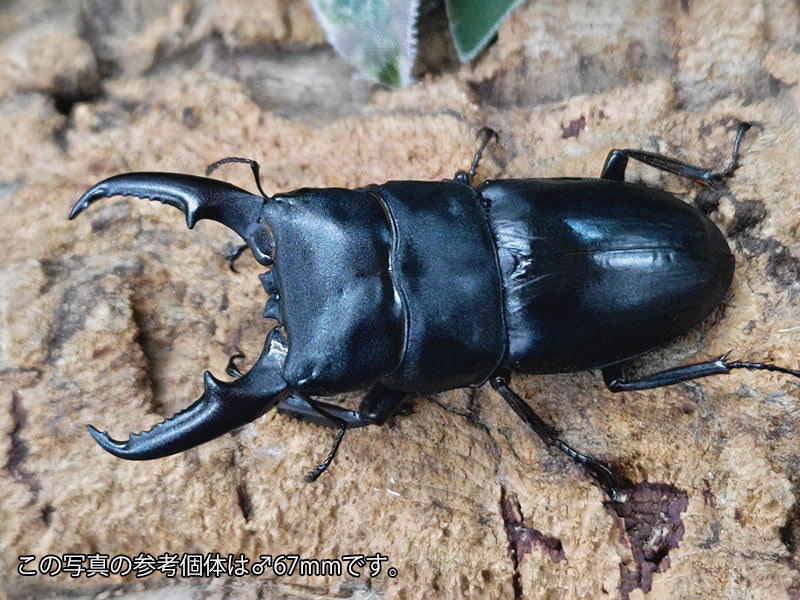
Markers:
(112, 319)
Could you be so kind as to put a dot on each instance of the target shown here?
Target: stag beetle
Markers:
(417, 287)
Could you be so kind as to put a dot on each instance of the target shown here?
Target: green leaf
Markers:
(377, 37)
(474, 22)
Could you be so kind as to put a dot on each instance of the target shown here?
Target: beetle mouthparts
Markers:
(222, 408)
(198, 198)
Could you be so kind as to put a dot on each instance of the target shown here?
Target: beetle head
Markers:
(222, 406)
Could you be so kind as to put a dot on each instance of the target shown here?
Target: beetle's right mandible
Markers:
(222, 406)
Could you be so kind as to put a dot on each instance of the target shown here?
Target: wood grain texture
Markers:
(112, 319)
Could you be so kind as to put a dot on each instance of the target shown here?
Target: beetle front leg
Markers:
(376, 408)
(299, 407)
(616, 381)
(604, 476)
(617, 162)
(234, 254)
(314, 474)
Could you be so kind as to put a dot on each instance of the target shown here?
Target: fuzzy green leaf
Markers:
(377, 37)
(474, 22)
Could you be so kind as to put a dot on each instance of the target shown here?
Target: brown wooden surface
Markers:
(112, 319)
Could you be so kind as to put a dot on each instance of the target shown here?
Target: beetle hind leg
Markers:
(617, 162)
(601, 472)
(616, 381)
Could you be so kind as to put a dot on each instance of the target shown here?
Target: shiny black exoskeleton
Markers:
(414, 287)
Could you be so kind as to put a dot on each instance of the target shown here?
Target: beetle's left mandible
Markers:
(222, 406)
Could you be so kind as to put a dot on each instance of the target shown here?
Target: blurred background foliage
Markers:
(381, 38)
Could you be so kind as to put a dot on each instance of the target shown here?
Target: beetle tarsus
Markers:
(760, 366)
(743, 128)
(236, 253)
(605, 477)
(616, 381)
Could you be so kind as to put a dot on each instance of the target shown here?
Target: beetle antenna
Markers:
(235, 253)
(238, 159)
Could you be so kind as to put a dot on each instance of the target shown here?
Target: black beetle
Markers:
(415, 287)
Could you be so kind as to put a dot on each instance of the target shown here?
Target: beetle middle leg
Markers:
(466, 176)
(597, 469)
(617, 162)
(616, 381)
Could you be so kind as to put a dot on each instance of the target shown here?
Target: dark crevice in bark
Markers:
(653, 526)
(47, 514)
(471, 416)
(245, 502)
(18, 452)
(66, 99)
(149, 349)
(243, 498)
(522, 539)
(525, 538)
(790, 537)
(511, 521)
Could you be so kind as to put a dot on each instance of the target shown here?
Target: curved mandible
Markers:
(198, 197)
(222, 408)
